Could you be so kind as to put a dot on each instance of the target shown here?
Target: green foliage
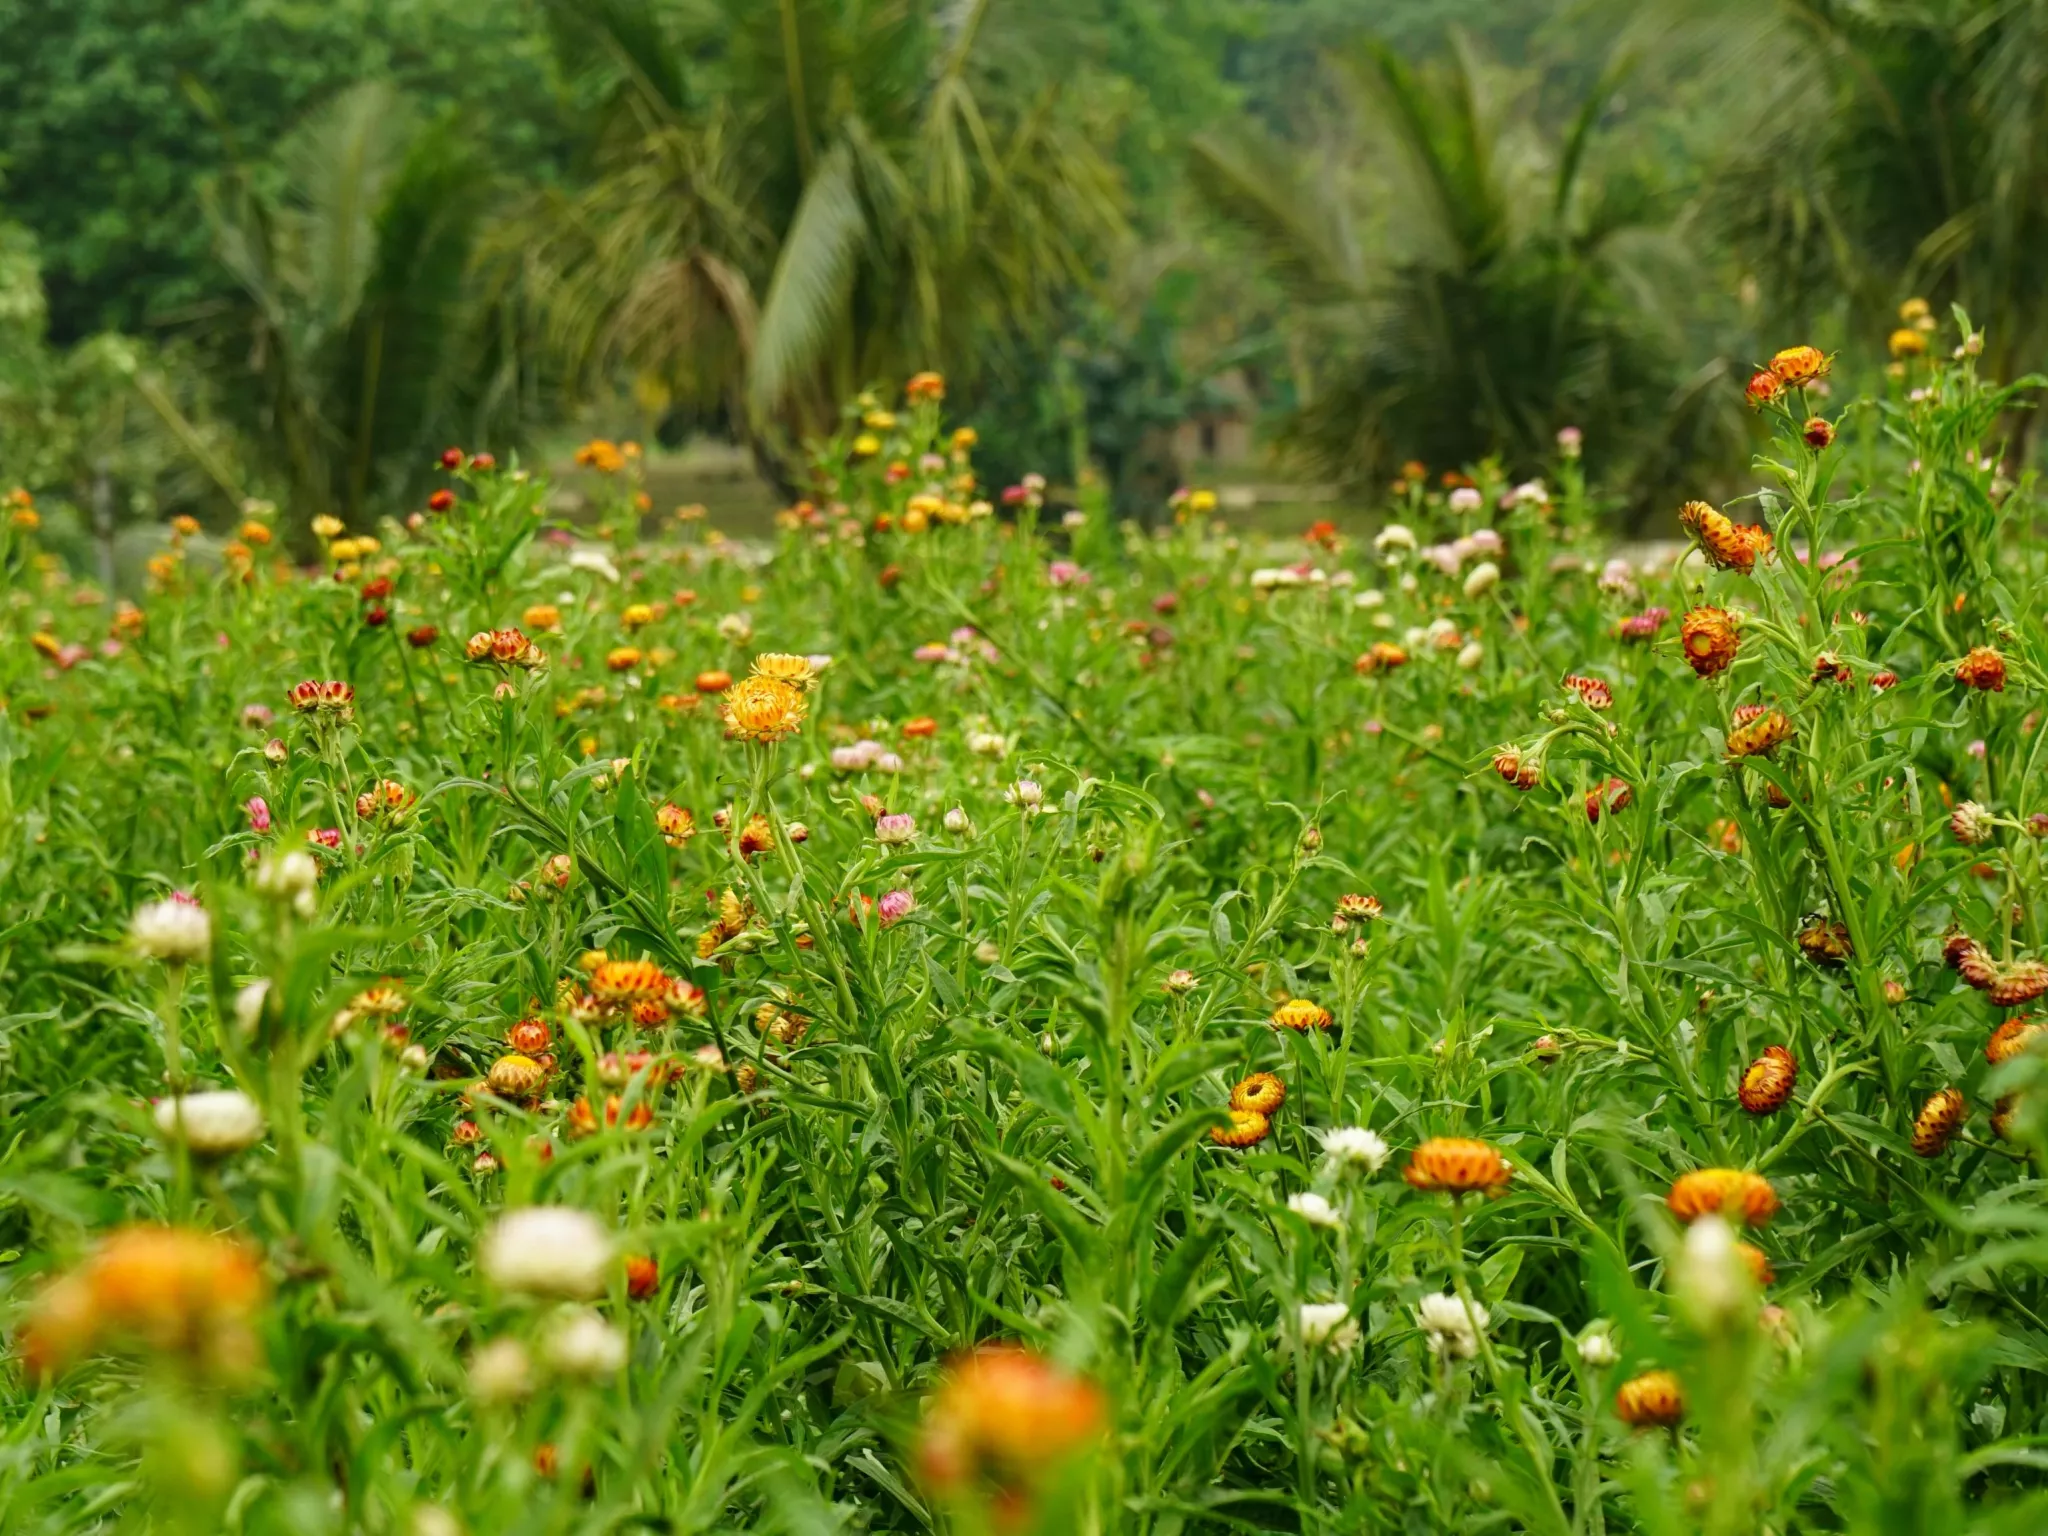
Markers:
(910, 1090)
(118, 109)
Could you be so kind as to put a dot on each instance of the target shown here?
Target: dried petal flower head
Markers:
(1940, 1118)
(1653, 1400)
(1728, 545)
(797, 671)
(1768, 1081)
(548, 1251)
(1522, 770)
(1298, 1013)
(1595, 694)
(1180, 982)
(1614, 795)
(1972, 824)
(1760, 735)
(212, 1124)
(2012, 1037)
(335, 700)
(1730, 1193)
(1800, 365)
(1983, 669)
(1457, 1165)
(1825, 943)
(1261, 1091)
(1709, 639)
(676, 824)
(1247, 1128)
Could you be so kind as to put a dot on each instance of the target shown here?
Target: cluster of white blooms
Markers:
(1329, 1325)
(1451, 1327)
(548, 1250)
(211, 1124)
(176, 930)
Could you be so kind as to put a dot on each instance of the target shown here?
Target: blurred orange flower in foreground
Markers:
(1002, 1420)
(168, 1290)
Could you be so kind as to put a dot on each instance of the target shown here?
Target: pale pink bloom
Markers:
(894, 907)
(896, 829)
(259, 813)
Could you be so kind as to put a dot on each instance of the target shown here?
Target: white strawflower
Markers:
(176, 931)
(1453, 1332)
(1371, 597)
(988, 744)
(249, 1006)
(736, 627)
(957, 822)
(433, 1520)
(1314, 1209)
(1466, 500)
(1471, 657)
(1596, 1346)
(501, 1372)
(291, 877)
(211, 1124)
(1712, 1280)
(1353, 1146)
(1329, 1324)
(593, 560)
(1482, 579)
(548, 1250)
(584, 1344)
(1027, 793)
(1395, 537)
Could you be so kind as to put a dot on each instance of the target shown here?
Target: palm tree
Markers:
(354, 348)
(795, 198)
(1503, 287)
(1872, 153)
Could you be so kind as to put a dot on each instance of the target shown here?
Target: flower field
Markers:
(979, 1018)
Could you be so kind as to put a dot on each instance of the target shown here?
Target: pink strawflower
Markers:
(259, 813)
(895, 906)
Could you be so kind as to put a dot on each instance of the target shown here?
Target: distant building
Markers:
(1218, 433)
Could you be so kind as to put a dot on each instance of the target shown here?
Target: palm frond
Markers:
(814, 274)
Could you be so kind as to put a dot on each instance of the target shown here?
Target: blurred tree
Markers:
(793, 200)
(355, 344)
(1871, 153)
(107, 142)
(1515, 282)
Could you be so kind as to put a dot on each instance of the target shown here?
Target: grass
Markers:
(893, 1193)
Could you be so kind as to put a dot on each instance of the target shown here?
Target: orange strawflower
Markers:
(1767, 1082)
(1825, 943)
(1299, 1013)
(1709, 639)
(1800, 365)
(1003, 1420)
(1940, 1118)
(1653, 1400)
(1727, 1192)
(763, 709)
(2011, 1038)
(1262, 1091)
(676, 825)
(1383, 656)
(623, 982)
(1728, 545)
(1760, 735)
(167, 1290)
(1758, 1263)
(1983, 669)
(1247, 1128)
(1456, 1165)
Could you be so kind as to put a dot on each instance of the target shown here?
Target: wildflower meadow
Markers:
(982, 1015)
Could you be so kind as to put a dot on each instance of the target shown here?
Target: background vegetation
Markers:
(276, 251)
